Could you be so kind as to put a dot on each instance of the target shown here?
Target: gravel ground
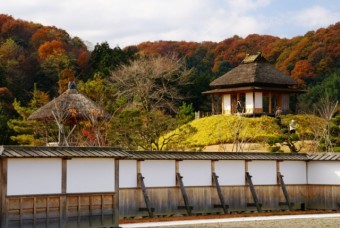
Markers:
(328, 220)
(291, 223)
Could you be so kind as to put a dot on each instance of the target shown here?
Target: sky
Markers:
(130, 22)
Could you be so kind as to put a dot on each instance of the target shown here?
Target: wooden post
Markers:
(212, 166)
(270, 102)
(34, 211)
(212, 104)
(116, 198)
(78, 211)
(138, 166)
(3, 189)
(253, 193)
(253, 103)
(149, 209)
(47, 211)
(220, 195)
(285, 193)
(277, 171)
(184, 194)
(177, 167)
(140, 182)
(63, 198)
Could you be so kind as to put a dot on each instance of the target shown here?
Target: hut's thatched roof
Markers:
(71, 105)
(254, 70)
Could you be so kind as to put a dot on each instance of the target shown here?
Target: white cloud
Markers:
(128, 22)
(316, 16)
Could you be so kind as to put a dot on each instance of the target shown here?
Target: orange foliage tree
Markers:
(50, 48)
(302, 69)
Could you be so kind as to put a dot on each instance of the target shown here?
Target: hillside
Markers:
(48, 56)
(32, 53)
(302, 57)
(37, 62)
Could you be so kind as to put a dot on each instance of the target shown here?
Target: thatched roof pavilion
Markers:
(254, 87)
(254, 70)
(72, 105)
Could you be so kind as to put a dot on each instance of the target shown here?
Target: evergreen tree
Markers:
(29, 132)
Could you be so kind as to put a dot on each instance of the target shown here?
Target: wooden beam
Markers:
(63, 197)
(285, 192)
(147, 201)
(47, 211)
(177, 166)
(184, 195)
(253, 103)
(220, 195)
(116, 197)
(253, 193)
(277, 171)
(270, 102)
(78, 210)
(3, 182)
(34, 211)
(212, 104)
(212, 166)
(21, 204)
(138, 166)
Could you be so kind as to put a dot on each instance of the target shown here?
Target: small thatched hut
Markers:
(254, 87)
(70, 105)
(70, 108)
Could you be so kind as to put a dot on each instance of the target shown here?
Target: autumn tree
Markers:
(302, 69)
(95, 88)
(148, 90)
(151, 83)
(65, 76)
(29, 132)
(13, 68)
(326, 108)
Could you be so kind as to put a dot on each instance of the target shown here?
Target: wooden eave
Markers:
(324, 157)
(175, 155)
(61, 152)
(253, 88)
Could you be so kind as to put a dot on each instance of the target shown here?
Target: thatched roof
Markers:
(254, 70)
(71, 105)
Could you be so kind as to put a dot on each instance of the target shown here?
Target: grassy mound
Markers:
(220, 129)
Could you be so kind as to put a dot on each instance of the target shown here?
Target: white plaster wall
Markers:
(227, 103)
(127, 174)
(27, 176)
(263, 172)
(159, 173)
(324, 172)
(195, 172)
(249, 102)
(90, 175)
(294, 172)
(258, 100)
(230, 172)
